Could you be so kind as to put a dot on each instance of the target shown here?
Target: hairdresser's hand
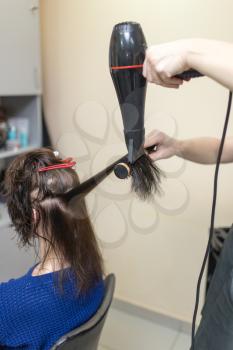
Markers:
(164, 61)
(166, 146)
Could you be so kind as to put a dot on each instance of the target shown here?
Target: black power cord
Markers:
(212, 219)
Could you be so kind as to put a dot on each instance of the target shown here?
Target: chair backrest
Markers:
(86, 337)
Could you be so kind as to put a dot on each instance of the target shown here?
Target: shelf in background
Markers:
(7, 154)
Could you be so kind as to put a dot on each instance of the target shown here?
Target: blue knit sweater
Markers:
(34, 313)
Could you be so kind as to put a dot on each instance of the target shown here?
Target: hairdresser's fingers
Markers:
(151, 75)
(152, 138)
(164, 62)
(171, 86)
(172, 81)
(162, 153)
(150, 72)
(155, 137)
(154, 157)
(158, 155)
(170, 66)
(166, 72)
(152, 133)
(154, 77)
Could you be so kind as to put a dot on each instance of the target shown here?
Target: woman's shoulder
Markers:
(13, 282)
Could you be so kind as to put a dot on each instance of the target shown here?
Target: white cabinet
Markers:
(19, 47)
(20, 83)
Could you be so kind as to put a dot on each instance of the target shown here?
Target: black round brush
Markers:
(143, 186)
(146, 177)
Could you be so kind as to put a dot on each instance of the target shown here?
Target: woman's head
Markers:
(37, 209)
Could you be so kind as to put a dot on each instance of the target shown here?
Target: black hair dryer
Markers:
(126, 57)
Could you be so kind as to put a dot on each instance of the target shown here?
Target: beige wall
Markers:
(155, 249)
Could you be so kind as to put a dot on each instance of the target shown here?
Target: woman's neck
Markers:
(48, 262)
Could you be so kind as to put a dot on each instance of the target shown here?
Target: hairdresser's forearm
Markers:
(212, 58)
(204, 150)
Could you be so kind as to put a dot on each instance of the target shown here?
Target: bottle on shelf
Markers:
(18, 134)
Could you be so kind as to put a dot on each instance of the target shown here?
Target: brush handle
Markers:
(150, 149)
(84, 188)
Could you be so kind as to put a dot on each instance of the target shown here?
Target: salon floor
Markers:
(123, 331)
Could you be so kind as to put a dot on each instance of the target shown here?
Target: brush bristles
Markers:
(146, 177)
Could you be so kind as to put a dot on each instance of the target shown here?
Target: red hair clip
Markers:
(67, 163)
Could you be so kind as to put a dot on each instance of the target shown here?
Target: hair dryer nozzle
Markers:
(127, 45)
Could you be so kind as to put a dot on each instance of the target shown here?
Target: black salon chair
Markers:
(86, 337)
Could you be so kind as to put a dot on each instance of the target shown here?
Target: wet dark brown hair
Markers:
(68, 234)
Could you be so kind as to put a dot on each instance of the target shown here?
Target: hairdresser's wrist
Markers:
(197, 51)
(178, 148)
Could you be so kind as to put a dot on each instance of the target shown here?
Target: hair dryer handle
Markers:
(188, 74)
